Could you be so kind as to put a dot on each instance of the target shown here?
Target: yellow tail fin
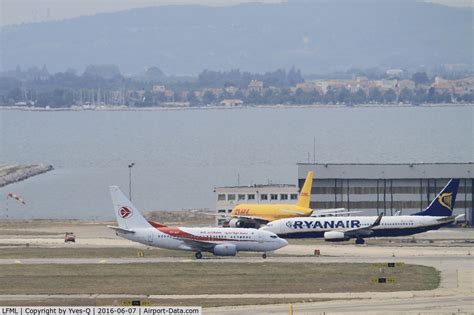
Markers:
(305, 194)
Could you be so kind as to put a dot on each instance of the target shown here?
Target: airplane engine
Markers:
(242, 223)
(225, 250)
(335, 236)
(236, 222)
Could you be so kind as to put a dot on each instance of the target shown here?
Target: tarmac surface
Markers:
(451, 251)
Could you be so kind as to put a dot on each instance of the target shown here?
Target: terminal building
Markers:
(229, 197)
(387, 188)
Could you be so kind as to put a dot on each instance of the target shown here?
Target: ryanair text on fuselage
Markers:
(333, 224)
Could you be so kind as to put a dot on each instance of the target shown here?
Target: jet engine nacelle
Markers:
(225, 250)
(243, 223)
(335, 236)
(235, 222)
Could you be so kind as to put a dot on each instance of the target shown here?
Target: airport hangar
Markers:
(387, 188)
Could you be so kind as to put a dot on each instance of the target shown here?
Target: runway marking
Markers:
(103, 261)
(17, 261)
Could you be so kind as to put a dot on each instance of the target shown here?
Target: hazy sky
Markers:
(26, 11)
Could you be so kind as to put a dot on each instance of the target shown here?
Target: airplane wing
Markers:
(250, 217)
(121, 230)
(199, 245)
(335, 211)
(213, 214)
(293, 211)
(229, 216)
(364, 231)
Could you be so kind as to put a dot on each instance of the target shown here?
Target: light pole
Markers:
(130, 180)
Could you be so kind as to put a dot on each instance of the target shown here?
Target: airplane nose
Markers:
(283, 242)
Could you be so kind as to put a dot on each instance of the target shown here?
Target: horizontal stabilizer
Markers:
(446, 219)
(121, 230)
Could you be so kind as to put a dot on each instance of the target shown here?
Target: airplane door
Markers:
(260, 237)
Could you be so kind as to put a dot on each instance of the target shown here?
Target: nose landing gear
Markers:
(198, 255)
(264, 255)
(360, 241)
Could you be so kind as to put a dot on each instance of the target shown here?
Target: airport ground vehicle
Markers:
(69, 237)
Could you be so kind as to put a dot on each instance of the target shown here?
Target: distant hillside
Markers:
(315, 36)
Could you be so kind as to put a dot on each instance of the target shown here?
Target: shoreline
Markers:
(14, 173)
(102, 108)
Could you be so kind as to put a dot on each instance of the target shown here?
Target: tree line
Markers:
(104, 84)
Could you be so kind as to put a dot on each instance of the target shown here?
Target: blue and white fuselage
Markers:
(438, 214)
(316, 227)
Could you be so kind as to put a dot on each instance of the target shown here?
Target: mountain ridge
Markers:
(314, 36)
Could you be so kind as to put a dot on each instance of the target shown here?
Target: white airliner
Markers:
(219, 241)
(334, 229)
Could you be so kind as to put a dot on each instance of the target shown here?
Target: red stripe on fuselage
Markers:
(156, 224)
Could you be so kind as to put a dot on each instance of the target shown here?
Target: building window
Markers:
(263, 197)
(231, 197)
(241, 197)
(221, 197)
(294, 196)
(221, 211)
(274, 196)
(283, 196)
(229, 210)
(250, 197)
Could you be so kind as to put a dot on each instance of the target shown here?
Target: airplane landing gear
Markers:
(264, 255)
(360, 241)
(198, 255)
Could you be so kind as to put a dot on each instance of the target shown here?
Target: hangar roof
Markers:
(387, 171)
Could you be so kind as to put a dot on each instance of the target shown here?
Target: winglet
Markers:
(377, 221)
(305, 194)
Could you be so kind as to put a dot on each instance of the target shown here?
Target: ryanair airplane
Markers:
(335, 229)
(218, 241)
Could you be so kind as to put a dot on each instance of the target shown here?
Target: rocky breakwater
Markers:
(12, 173)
